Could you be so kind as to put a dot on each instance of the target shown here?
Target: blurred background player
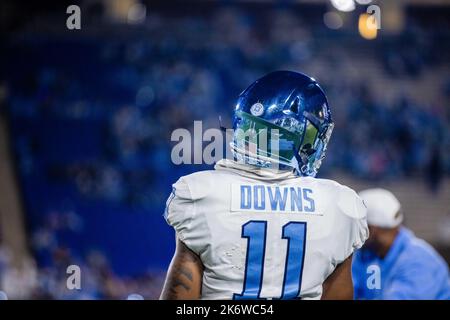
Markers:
(409, 268)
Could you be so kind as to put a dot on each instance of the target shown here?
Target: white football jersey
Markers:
(265, 234)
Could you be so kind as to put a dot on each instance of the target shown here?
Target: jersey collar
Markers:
(253, 171)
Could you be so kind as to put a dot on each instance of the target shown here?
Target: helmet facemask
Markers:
(285, 144)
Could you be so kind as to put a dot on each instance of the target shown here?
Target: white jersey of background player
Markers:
(261, 226)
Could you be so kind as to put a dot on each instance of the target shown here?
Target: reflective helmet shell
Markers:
(282, 121)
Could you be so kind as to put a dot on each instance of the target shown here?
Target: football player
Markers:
(261, 226)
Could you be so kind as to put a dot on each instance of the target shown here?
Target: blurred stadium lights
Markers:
(344, 5)
(367, 26)
(333, 20)
(130, 11)
(137, 13)
(363, 2)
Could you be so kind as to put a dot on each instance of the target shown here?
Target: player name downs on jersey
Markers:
(272, 198)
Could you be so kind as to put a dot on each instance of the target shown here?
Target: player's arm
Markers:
(184, 278)
(339, 285)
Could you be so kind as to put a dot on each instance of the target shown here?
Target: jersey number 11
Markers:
(256, 233)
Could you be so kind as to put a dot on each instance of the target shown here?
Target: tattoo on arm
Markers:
(184, 276)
